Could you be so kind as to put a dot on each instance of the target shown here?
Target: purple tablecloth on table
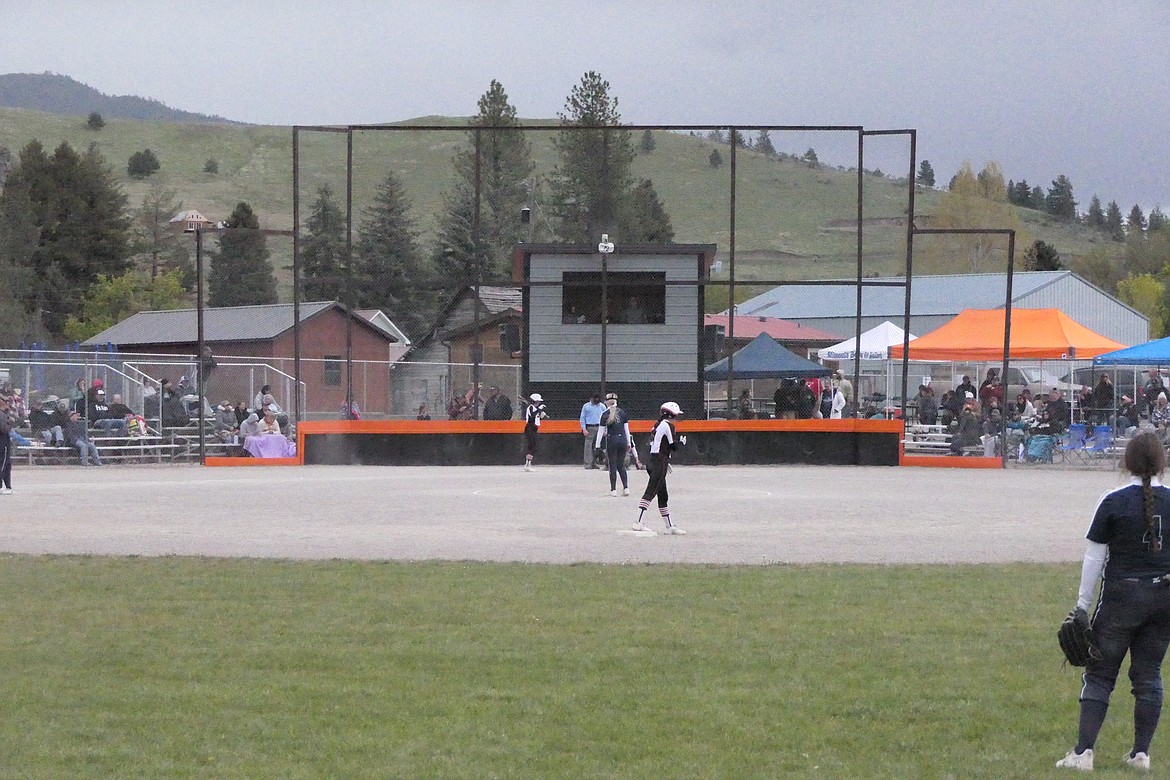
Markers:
(270, 445)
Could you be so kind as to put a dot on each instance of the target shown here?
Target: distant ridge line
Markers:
(53, 93)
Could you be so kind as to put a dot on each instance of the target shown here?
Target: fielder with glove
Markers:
(1129, 556)
(664, 442)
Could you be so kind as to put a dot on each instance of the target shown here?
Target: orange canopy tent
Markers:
(1037, 334)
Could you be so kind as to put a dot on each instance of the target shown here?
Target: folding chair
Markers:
(1101, 445)
(1072, 444)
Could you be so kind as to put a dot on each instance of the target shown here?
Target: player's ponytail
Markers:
(1145, 457)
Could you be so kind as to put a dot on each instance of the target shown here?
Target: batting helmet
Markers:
(671, 408)
(536, 398)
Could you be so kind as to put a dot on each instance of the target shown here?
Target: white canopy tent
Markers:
(875, 346)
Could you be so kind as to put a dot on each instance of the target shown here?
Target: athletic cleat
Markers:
(640, 526)
(8, 491)
(613, 493)
(1082, 762)
(674, 529)
(1140, 761)
(625, 491)
(528, 467)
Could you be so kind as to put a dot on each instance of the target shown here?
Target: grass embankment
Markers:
(244, 669)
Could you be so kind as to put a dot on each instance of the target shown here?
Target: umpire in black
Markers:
(1129, 555)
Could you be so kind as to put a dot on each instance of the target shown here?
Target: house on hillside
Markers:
(444, 361)
(254, 345)
(189, 221)
(935, 300)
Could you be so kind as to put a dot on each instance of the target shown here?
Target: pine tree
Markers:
(323, 250)
(925, 174)
(505, 176)
(142, 164)
(1135, 225)
(95, 121)
(79, 213)
(1113, 224)
(594, 174)
(647, 145)
(645, 221)
(715, 159)
(1042, 257)
(764, 144)
(1095, 216)
(157, 246)
(810, 157)
(388, 271)
(240, 274)
(1156, 221)
(1038, 199)
(1020, 194)
(1061, 203)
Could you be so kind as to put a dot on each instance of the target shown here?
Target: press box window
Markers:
(632, 298)
(333, 370)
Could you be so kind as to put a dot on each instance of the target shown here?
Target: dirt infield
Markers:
(558, 514)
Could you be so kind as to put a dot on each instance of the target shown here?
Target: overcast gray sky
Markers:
(1042, 88)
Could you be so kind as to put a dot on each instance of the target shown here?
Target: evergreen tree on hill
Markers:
(1095, 216)
(1061, 203)
(589, 184)
(323, 250)
(1135, 224)
(82, 231)
(505, 179)
(240, 273)
(925, 175)
(764, 144)
(388, 270)
(1156, 221)
(646, 221)
(1113, 224)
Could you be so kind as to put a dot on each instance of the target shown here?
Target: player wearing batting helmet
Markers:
(1128, 554)
(662, 444)
(533, 414)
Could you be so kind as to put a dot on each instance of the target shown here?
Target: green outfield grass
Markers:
(184, 667)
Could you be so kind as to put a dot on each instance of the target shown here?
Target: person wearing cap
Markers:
(497, 406)
(615, 429)
(533, 414)
(42, 423)
(1127, 417)
(77, 435)
(590, 420)
(100, 417)
(964, 387)
(663, 442)
(970, 430)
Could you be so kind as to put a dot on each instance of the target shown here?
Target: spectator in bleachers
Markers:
(1127, 416)
(424, 413)
(969, 432)
(119, 409)
(249, 427)
(1160, 417)
(17, 407)
(41, 421)
(269, 423)
(172, 412)
(258, 399)
(100, 418)
(77, 395)
(241, 413)
(226, 426)
(77, 435)
(1059, 411)
(268, 402)
(927, 406)
(1153, 388)
(1103, 397)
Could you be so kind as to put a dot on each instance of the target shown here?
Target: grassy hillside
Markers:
(793, 221)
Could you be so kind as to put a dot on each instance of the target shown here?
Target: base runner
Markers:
(662, 443)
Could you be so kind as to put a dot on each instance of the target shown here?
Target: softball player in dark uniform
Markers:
(533, 414)
(662, 444)
(615, 424)
(1129, 555)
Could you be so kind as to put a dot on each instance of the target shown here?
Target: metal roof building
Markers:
(937, 299)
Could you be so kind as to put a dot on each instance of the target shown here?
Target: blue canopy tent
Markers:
(764, 358)
(1152, 353)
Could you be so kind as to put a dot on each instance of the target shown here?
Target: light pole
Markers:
(605, 249)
